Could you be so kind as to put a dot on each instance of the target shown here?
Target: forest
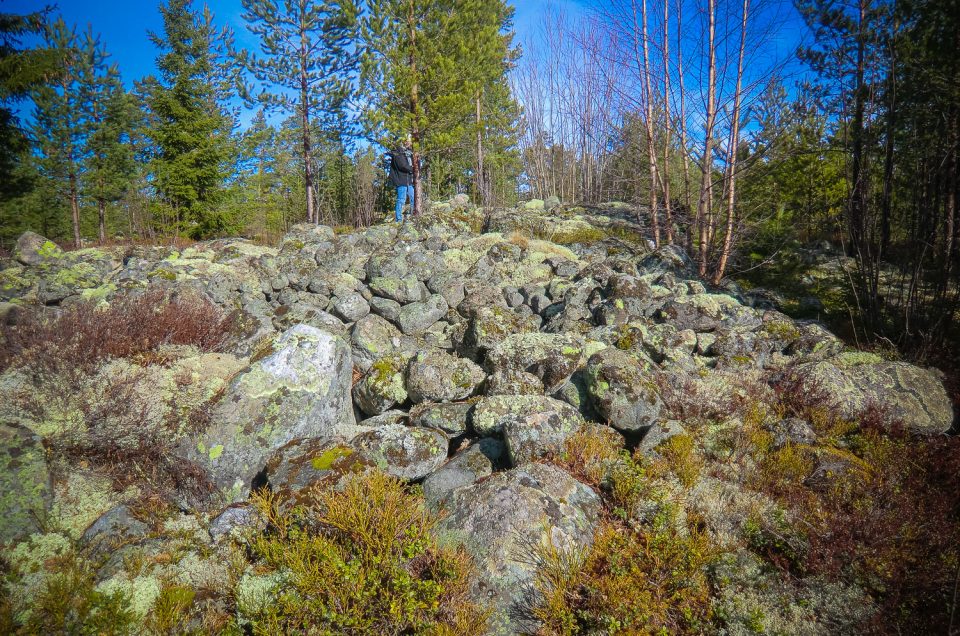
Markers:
(687, 109)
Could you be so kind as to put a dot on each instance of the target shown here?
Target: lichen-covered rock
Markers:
(437, 376)
(492, 413)
(382, 387)
(407, 452)
(32, 249)
(538, 435)
(513, 382)
(465, 468)
(113, 528)
(416, 318)
(491, 325)
(707, 312)
(552, 357)
(385, 308)
(623, 390)
(910, 395)
(404, 290)
(373, 338)
(301, 390)
(451, 417)
(350, 308)
(302, 466)
(25, 488)
(234, 521)
(500, 519)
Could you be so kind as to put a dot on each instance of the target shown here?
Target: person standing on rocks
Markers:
(401, 175)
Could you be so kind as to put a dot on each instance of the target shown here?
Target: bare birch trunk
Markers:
(732, 153)
(705, 204)
(665, 169)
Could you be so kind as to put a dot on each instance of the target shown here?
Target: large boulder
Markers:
(24, 482)
(492, 413)
(304, 466)
(708, 312)
(623, 390)
(407, 452)
(910, 395)
(300, 390)
(552, 357)
(500, 521)
(32, 249)
(437, 376)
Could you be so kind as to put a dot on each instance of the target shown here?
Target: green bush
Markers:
(360, 560)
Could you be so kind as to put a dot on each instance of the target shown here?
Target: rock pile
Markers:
(445, 355)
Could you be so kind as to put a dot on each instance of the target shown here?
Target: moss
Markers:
(216, 451)
(163, 274)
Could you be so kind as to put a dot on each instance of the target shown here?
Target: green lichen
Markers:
(326, 459)
(216, 451)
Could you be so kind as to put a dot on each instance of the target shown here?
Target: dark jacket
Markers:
(401, 167)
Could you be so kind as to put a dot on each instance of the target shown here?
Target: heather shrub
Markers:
(84, 334)
(360, 560)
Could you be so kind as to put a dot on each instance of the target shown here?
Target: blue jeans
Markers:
(403, 194)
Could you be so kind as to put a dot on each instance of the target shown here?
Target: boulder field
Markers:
(460, 352)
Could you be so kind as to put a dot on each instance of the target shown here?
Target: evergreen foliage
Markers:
(188, 125)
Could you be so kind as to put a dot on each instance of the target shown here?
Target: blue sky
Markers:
(123, 24)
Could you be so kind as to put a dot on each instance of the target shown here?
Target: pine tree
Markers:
(21, 70)
(425, 64)
(189, 127)
(307, 66)
(61, 121)
(110, 165)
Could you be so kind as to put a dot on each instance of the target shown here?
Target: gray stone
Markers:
(416, 318)
(373, 338)
(32, 249)
(234, 521)
(351, 307)
(466, 467)
(492, 413)
(538, 435)
(406, 452)
(385, 308)
(403, 290)
(437, 376)
(301, 390)
(112, 529)
(499, 520)
(451, 417)
(382, 387)
(623, 390)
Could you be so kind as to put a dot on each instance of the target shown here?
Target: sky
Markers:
(123, 25)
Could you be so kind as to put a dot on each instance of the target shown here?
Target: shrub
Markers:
(69, 603)
(632, 580)
(361, 560)
(681, 457)
(83, 335)
(590, 453)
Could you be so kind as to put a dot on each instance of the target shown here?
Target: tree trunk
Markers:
(683, 134)
(102, 219)
(732, 153)
(481, 190)
(648, 125)
(75, 210)
(305, 124)
(704, 205)
(414, 111)
(665, 169)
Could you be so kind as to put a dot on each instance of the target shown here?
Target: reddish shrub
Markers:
(82, 336)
